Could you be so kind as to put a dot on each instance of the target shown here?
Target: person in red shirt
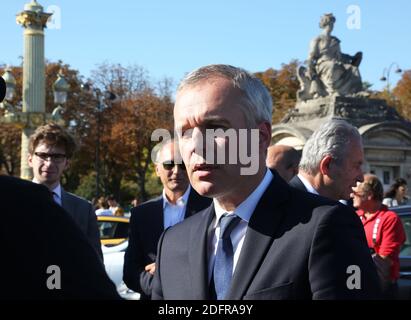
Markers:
(384, 231)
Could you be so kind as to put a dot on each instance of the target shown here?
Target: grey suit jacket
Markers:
(83, 214)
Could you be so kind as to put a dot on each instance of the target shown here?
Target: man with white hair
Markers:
(331, 163)
(260, 238)
(149, 219)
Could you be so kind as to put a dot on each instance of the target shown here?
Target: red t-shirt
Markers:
(389, 233)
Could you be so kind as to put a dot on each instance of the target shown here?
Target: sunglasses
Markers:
(169, 165)
(55, 157)
(359, 194)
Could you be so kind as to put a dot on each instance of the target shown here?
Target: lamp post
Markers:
(33, 113)
(386, 74)
(60, 90)
(102, 99)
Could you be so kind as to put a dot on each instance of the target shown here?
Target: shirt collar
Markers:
(307, 185)
(56, 191)
(180, 201)
(246, 208)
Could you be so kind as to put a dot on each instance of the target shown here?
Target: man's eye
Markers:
(187, 133)
(216, 127)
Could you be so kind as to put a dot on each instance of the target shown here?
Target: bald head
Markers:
(284, 159)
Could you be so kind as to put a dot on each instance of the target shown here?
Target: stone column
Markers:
(33, 19)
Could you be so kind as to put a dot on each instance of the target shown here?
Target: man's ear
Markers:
(264, 135)
(30, 160)
(67, 164)
(325, 165)
(157, 169)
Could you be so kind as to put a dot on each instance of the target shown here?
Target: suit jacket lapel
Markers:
(66, 203)
(198, 259)
(157, 215)
(260, 234)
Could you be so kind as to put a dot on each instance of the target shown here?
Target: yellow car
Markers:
(113, 230)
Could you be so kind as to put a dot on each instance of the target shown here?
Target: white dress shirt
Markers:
(56, 192)
(174, 213)
(244, 211)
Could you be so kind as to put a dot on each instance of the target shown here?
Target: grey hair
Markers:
(256, 103)
(332, 138)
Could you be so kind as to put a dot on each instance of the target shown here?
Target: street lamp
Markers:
(386, 74)
(10, 84)
(101, 98)
(60, 90)
(13, 115)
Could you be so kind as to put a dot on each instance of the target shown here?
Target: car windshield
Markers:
(113, 229)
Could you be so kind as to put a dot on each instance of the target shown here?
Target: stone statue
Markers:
(329, 71)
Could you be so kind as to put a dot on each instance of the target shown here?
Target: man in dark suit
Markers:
(331, 163)
(260, 239)
(151, 218)
(45, 254)
(50, 150)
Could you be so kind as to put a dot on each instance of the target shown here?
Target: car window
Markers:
(107, 229)
(121, 230)
(406, 249)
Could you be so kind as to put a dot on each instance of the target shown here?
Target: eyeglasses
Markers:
(358, 194)
(169, 165)
(55, 157)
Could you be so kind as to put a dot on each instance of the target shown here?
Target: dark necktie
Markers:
(223, 266)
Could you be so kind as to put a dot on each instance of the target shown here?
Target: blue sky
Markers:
(170, 38)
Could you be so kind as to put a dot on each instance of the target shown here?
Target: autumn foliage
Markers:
(123, 126)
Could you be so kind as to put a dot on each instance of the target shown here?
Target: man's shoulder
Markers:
(201, 217)
(312, 207)
(148, 207)
(75, 198)
(11, 184)
(388, 215)
(299, 196)
(296, 182)
(148, 204)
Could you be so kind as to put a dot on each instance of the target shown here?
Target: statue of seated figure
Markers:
(329, 71)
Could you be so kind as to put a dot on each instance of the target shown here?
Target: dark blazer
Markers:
(297, 246)
(37, 233)
(146, 227)
(297, 183)
(83, 213)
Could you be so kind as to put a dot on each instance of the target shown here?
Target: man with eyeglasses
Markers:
(50, 151)
(384, 231)
(148, 220)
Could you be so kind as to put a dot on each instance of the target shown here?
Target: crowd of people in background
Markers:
(108, 206)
